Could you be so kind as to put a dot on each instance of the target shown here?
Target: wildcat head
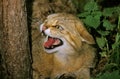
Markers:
(63, 32)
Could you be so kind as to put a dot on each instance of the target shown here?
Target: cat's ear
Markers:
(85, 36)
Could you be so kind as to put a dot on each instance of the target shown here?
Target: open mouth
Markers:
(52, 42)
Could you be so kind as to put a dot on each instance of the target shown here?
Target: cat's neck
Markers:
(65, 57)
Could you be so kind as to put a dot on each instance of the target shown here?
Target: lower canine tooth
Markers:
(52, 47)
(46, 38)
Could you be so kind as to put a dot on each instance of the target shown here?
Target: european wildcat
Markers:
(70, 43)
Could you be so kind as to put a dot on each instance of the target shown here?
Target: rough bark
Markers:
(3, 71)
(14, 44)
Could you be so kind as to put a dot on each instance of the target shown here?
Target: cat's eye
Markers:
(59, 27)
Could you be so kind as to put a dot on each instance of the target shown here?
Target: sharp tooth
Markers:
(52, 47)
(46, 38)
(57, 42)
(42, 34)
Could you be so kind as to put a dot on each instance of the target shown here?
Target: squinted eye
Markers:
(59, 27)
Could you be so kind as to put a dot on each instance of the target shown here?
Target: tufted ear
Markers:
(85, 36)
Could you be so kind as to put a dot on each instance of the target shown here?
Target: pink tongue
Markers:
(49, 42)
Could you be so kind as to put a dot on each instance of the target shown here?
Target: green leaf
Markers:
(84, 14)
(91, 6)
(108, 75)
(108, 25)
(103, 54)
(101, 42)
(117, 40)
(92, 21)
(98, 13)
(109, 66)
(108, 11)
(103, 33)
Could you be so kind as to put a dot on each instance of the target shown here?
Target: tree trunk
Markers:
(3, 71)
(14, 43)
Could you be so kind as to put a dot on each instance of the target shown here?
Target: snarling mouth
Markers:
(52, 42)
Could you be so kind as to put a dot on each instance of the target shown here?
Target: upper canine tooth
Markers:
(42, 34)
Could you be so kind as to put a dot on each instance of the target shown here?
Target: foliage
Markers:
(108, 75)
(105, 24)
